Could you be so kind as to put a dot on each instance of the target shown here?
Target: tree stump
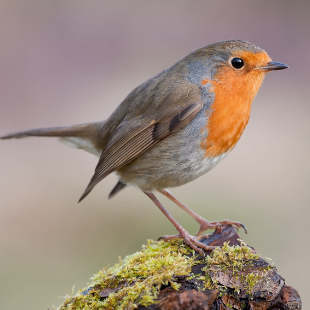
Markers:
(171, 276)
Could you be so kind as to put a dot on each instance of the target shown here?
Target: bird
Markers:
(174, 127)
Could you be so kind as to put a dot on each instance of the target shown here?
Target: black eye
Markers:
(237, 63)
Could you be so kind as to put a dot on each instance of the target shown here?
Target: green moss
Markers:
(251, 280)
(236, 262)
(138, 278)
(232, 257)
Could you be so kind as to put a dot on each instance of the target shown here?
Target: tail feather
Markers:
(39, 132)
(83, 136)
(81, 130)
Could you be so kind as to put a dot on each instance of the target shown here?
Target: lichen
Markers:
(137, 279)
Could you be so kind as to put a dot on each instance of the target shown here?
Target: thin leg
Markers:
(190, 240)
(204, 224)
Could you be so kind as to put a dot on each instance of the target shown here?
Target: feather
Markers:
(82, 136)
(117, 188)
(134, 144)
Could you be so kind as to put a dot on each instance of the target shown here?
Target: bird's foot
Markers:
(218, 226)
(191, 241)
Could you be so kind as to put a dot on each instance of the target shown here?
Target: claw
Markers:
(218, 226)
(237, 225)
(244, 228)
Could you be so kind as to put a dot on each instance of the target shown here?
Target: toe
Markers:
(170, 237)
(191, 244)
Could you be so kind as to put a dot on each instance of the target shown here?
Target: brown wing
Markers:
(133, 144)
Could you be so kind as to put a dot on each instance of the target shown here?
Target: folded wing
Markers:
(133, 144)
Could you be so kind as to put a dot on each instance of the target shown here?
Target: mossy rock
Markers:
(170, 275)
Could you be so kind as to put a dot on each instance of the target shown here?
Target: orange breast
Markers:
(230, 110)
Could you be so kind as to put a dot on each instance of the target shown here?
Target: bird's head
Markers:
(233, 64)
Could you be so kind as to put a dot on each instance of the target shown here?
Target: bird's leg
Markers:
(204, 223)
(188, 239)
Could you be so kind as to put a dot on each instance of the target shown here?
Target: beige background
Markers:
(65, 62)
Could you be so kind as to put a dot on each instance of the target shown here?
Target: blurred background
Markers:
(73, 61)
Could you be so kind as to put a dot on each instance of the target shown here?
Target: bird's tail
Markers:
(82, 136)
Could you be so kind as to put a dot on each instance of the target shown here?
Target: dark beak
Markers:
(273, 65)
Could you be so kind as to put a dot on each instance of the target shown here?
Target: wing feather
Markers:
(135, 143)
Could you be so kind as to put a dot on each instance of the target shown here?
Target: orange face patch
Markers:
(234, 92)
(253, 60)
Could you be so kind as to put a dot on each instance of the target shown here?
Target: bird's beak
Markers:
(272, 65)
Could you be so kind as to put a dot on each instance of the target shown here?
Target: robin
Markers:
(176, 126)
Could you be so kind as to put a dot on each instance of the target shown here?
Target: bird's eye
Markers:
(237, 63)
